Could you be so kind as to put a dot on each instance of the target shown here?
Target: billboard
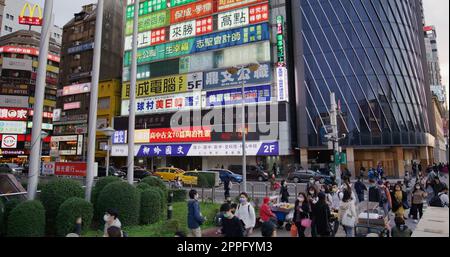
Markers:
(166, 135)
(222, 78)
(77, 89)
(259, 13)
(76, 169)
(146, 7)
(204, 25)
(17, 64)
(191, 11)
(257, 94)
(165, 85)
(144, 39)
(9, 141)
(13, 127)
(175, 3)
(13, 114)
(164, 103)
(14, 101)
(33, 17)
(233, 19)
(81, 48)
(149, 22)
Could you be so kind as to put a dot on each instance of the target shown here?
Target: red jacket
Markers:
(265, 213)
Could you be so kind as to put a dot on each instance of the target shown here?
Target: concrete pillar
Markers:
(351, 161)
(424, 157)
(304, 158)
(399, 167)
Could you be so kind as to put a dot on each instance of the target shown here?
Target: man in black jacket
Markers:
(232, 226)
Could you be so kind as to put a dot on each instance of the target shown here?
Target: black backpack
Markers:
(436, 201)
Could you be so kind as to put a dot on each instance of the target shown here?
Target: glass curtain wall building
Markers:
(370, 53)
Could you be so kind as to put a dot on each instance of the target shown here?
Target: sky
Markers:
(436, 13)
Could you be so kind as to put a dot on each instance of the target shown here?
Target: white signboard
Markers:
(56, 114)
(80, 145)
(48, 168)
(144, 39)
(17, 64)
(45, 126)
(14, 101)
(233, 19)
(77, 89)
(9, 141)
(64, 138)
(282, 84)
(182, 30)
(13, 127)
(165, 103)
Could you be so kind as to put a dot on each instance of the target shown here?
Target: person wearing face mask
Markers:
(335, 201)
(399, 201)
(195, 218)
(111, 219)
(231, 225)
(265, 213)
(321, 217)
(302, 211)
(312, 200)
(418, 196)
(246, 213)
(284, 192)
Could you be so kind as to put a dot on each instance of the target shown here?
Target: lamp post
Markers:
(109, 132)
(235, 70)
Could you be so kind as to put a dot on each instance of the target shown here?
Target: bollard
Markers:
(169, 206)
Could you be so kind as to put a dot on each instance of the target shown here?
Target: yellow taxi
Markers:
(168, 174)
(189, 178)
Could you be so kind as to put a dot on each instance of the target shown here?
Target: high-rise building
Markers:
(433, 63)
(74, 85)
(2, 9)
(18, 66)
(185, 51)
(371, 55)
(13, 9)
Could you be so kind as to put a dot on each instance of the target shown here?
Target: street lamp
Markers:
(234, 70)
(109, 132)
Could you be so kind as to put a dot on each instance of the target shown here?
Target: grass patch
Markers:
(159, 229)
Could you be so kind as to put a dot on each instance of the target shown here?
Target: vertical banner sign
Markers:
(280, 41)
(282, 84)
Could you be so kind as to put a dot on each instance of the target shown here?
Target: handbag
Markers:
(306, 223)
(294, 230)
(348, 219)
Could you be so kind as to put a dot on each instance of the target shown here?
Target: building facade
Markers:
(371, 54)
(434, 70)
(18, 67)
(13, 9)
(188, 107)
(71, 118)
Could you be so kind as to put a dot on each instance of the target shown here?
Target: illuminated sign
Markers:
(45, 126)
(259, 13)
(46, 115)
(222, 78)
(13, 114)
(72, 106)
(280, 40)
(223, 5)
(282, 84)
(233, 19)
(9, 141)
(166, 85)
(77, 89)
(149, 22)
(191, 11)
(164, 103)
(174, 3)
(26, 50)
(258, 94)
(13, 127)
(32, 18)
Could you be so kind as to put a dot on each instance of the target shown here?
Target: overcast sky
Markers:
(436, 13)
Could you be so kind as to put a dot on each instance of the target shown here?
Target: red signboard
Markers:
(77, 169)
(223, 5)
(158, 36)
(193, 134)
(13, 114)
(204, 25)
(27, 138)
(33, 17)
(428, 28)
(259, 13)
(191, 11)
(26, 50)
(47, 115)
(48, 79)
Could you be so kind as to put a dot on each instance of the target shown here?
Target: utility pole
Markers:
(132, 114)
(92, 127)
(35, 155)
(335, 138)
(244, 152)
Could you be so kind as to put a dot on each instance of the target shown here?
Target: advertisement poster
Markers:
(257, 94)
(222, 78)
(13, 127)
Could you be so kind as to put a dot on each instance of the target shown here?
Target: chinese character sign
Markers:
(13, 114)
(144, 39)
(282, 84)
(191, 11)
(259, 13)
(175, 3)
(147, 7)
(222, 78)
(257, 94)
(149, 21)
(193, 134)
(233, 19)
(183, 30)
(13, 127)
(223, 5)
(204, 26)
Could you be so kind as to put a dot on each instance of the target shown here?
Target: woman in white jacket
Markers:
(246, 213)
(347, 213)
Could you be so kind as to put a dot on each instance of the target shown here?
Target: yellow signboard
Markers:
(31, 18)
(47, 102)
(165, 85)
(50, 68)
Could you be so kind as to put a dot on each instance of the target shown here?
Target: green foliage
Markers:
(151, 210)
(172, 226)
(143, 186)
(27, 220)
(206, 179)
(68, 213)
(156, 182)
(101, 183)
(124, 198)
(53, 194)
(179, 195)
(163, 195)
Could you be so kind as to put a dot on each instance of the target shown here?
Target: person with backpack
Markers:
(347, 213)
(302, 213)
(284, 192)
(360, 187)
(194, 217)
(400, 229)
(440, 200)
(418, 196)
(399, 201)
(231, 225)
(246, 213)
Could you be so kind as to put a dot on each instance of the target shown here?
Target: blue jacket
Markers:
(195, 220)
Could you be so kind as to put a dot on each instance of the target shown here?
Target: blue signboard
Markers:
(222, 78)
(81, 48)
(257, 94)
(164, 150)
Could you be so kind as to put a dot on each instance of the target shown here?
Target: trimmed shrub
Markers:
(151, 210)
(27, 220)
(8, 207)
(124, 198)
(163, 195)
(143, 186)
(101, 183)
(156, 182)
(68, 213)
(206, 180)
(179, 195)
(53, 194)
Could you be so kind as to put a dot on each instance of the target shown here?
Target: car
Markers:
(113, 171)
(303, 176)
(139, 172)
(10, 168)
(253, 172)
(189, 178)
(168, 174)
(224, 174)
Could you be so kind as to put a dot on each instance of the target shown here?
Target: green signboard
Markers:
(343, 158)
(280, 39)
(174, 3)
(147, 7)
(149, 22)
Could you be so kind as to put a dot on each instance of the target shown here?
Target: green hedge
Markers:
(124, 198)
(101, 183)
(27, 220)
(163, 195)
(8, 207)
(206, 179)
(151, 210)
(156, 182)
(179, 195)
(53, 194)
(143, 186)
(68, 213)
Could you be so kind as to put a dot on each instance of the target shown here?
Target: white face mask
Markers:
(106, 217)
